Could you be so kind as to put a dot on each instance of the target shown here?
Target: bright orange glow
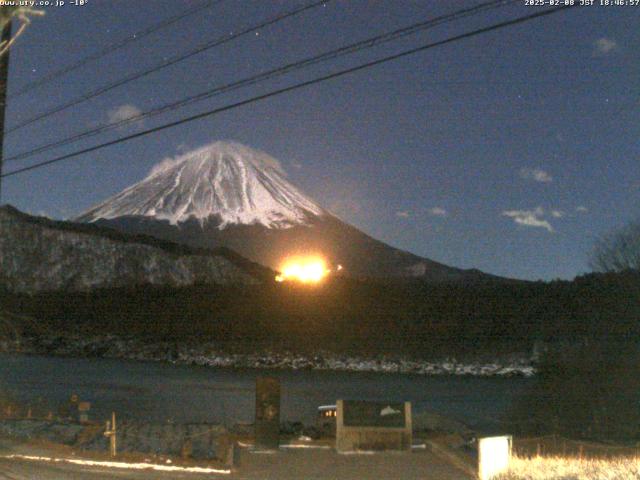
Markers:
(303, 269)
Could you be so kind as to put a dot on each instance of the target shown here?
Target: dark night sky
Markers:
(509, 152)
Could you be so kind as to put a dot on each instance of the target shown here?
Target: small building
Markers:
(326, 420)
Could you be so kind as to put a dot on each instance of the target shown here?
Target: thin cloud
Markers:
(438, 212)
(582, 209)
(267, 161)
(403, 214)
(182, 148)
(557, 213)
(604, 46)
(123, 113)
(529, 218)
(345, 207)
(536, 174)
(163, 165)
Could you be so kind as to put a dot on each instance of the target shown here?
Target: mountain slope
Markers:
(228, 180)
(38, 254)
(226, 194)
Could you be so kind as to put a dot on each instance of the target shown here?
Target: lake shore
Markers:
(212, 355)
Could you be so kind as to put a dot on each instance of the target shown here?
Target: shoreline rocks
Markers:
(209, 354)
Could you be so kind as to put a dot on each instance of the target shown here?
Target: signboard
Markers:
(359, 413)
(364, 425)
(83, 411)
(267, 413)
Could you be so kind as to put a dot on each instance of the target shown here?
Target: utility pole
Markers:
(4, 75)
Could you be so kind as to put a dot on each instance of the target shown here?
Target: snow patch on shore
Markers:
(208, 354)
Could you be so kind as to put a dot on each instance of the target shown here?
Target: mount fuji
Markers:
(227, 194)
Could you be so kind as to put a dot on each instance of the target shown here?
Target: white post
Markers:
(113, 436)
(494, 454)
(110, 431)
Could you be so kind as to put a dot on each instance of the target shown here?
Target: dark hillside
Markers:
(353, 316)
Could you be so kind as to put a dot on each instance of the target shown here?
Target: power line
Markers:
(296, 86)
(252, 80)
(173, 60)
(111, 48)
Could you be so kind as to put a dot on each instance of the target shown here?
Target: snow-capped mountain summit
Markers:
(224, 180)
(229, 195)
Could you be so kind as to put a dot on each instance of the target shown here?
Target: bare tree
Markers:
(618, 251)
(22, 14)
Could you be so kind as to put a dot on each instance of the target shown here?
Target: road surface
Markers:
(288, 464)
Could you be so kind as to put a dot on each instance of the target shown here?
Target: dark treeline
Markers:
(353, 316)
(589, 390)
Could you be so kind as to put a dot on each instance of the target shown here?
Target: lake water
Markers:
(159, 392)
